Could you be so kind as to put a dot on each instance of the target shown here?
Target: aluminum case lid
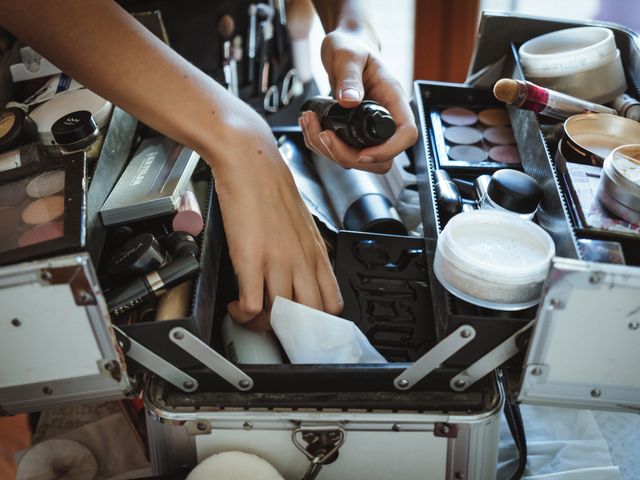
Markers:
(584, 349)
(56, 341)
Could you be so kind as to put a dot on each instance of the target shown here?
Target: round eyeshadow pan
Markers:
(12, 194)
(499, 136)
(505, 154)
(41, 233)
(46, 184)
(43, 210)
(494, 117)
(463, 135)
(458, 116)
(467, 153)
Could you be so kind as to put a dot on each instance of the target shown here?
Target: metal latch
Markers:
(210, 358)
(320, 444)
(435, 357)
(155, 363)
(489, 361)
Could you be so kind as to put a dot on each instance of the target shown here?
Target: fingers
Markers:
(329, 291)
(305, 288)
(347, 84)
(344, 63)
(251, 295)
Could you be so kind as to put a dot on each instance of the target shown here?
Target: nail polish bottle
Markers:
(366, 125)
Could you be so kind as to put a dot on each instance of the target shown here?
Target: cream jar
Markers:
(494, 259)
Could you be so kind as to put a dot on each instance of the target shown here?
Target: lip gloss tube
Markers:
(529, 96)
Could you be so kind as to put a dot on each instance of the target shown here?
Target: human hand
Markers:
(274, 244)
(355, 71)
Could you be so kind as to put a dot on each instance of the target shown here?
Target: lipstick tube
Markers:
(152, 285)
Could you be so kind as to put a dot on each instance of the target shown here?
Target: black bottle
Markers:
(366, 125)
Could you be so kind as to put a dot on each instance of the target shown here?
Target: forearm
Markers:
(104, 48)
(348, 16)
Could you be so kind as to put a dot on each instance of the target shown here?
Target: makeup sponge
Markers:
(506, 90)
(234, 465)
(57, 459)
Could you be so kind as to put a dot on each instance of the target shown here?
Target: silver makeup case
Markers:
(578, 351)
(437, 417)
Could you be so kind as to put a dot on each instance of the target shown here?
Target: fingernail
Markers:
(326, 140)
(303, 120)
(350, 94)
(366, 160)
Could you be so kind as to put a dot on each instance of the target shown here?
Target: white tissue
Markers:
(312, 336)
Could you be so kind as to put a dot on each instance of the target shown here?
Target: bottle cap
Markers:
(515, 191)
(75, 127)
(381, 126)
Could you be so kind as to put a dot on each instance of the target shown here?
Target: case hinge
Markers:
(155, 363)
(489, 361)
(210, 358)
(435, 357)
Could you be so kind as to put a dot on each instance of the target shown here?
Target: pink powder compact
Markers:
(42, 211)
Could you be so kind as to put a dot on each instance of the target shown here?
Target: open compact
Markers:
(619, 188)
(493, 259)
(590, 137)
(42, 209)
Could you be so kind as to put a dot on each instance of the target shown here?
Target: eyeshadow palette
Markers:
(469, 129)
(42, 211)
(582, 184)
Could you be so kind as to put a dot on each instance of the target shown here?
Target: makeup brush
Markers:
(251, 43)
(226, 26)
(264, 15)
(529, 96)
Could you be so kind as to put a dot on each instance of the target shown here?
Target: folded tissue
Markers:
(311, 336)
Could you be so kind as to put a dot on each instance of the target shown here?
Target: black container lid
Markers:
(179, 244)
(373, 213)
(16, 128)
(515, 191)
(74, 127)
(381, 125)
(139, 256)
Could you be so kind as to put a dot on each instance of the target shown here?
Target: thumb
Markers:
(348, 87)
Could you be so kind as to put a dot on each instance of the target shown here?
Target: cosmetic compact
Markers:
(583, 62)
(42, 210)
(152, 184)
(493, 259)
(582, 183)
(16, 128)
(590, 137)
(619, 189)
(512, 191)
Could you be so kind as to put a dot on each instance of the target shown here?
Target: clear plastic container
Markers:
(494, 259)
(487, 203)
